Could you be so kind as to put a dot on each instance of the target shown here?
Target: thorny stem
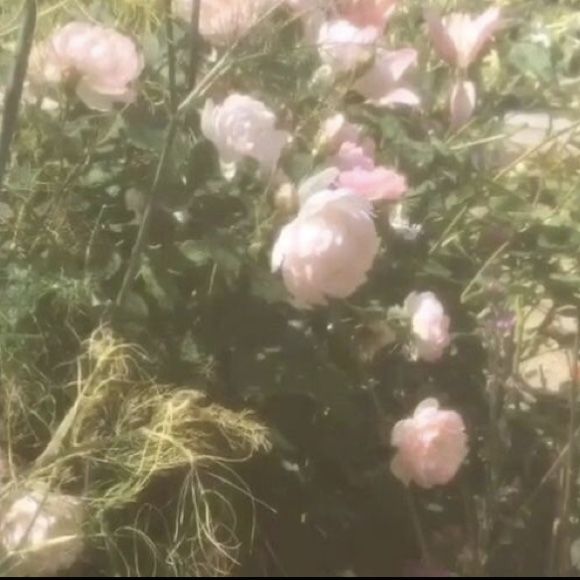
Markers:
(14, 90)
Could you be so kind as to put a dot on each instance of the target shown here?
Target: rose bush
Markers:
(280, 226)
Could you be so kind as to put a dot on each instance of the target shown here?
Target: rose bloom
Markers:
(328, 249)
(383, 84)
(431, 446)
(460, 38)
(429, 325)
(376, 184)
(367, 12)
(225, 21)
(243, 127)
(359, 173)
(42, 533)
(344, 46)
(102, 63)
(353, 155)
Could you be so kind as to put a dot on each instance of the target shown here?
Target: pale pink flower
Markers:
(383, 84)
(429, 325)
(431, 446)
(42, 533)
(102, 63)
(376, 184)
(243, 127)
(225, 21)
(353, 155)
(460, 38)
(367, 12)
(344, 46)
(462, 103)
(328, 249)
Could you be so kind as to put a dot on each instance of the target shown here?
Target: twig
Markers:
(170, 38)
(194, 45)
(143, 234)
(156, 188)
(570, 469)
(425, 552)
(535, 149)
(14, 90)
(465, 294)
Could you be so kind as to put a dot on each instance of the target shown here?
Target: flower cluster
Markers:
(327, 248)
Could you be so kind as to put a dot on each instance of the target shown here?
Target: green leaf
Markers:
(196, 251)
(533, 59)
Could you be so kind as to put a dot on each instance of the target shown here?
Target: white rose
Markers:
(243, 127)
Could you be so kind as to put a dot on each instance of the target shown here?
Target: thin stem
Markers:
(425, 552)
(194, 45)
(570, 468)
(14, 91)
(170, 38)
(144, 227)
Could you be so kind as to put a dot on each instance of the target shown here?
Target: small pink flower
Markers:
(383, 84)
(225, 21)
(462, 103)
(102, 63)
(377, 184)
(243, 127)
(429, 325)
(328, 249)
(459, 38)
(368, 12)
(431, 446)
(343, 46)
(353, 155)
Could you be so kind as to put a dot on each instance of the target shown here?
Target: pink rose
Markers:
(431, 446)
(355, 155)
(243, 127)
(225, 21)
(368, 12)
(383, 84)
(429, 325)
(344, 46)
(460, 38)
(376, 184)
(102, 63)
(328, 249)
